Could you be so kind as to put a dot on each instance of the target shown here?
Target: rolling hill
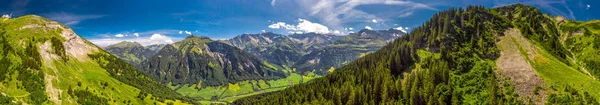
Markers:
(504, 55)
(45, 62)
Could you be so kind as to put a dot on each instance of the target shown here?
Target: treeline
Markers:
(127, 74)
(447, 60)
(28, 70)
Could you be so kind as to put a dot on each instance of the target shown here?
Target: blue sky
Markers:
(157, 21)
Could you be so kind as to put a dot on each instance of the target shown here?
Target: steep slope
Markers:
(451, 59)
(583, 40)
(345, 50)
(200, 60)
(45, 62)
(131, 52)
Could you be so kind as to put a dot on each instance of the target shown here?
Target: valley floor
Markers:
(232, 92)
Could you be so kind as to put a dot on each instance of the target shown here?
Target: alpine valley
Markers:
(224, 70)
(512, 54)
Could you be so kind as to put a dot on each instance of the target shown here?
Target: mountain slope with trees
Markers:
(451, 59)
(200, 60)
(45, 62)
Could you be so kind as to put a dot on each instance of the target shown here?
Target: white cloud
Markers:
(588, 6)
(136, 34)
(187, 32)
(279, 25)
(69, 18)
(374, 20)
(402, 29)
(180, 32)
(160, 39)
(335, 13)
(350, 29)
(119, 35)
(368, 28)
(263, 31)
(337, 32)
(304, 26)
(273, 2)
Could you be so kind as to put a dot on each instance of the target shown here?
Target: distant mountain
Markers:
(45, 62)
(313, 51)
(155, 48)
(271, 47)
(131, 52)
(200, 60)
(314, 41)
(346, 49)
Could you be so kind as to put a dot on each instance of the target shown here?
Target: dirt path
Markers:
(515, 66)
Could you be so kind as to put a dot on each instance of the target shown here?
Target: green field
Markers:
(231, 92)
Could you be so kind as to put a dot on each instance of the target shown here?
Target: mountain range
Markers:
(313, 52)
(202, 60)
(511, 54)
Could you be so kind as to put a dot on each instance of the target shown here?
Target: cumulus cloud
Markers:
(180, 32)
(160, 39)
(119, 35)
(374, 20)
(337, 32)
(187, 32)
(136, 34)
(368, 28)
(263, 31)
(304, 26)
(69, 18)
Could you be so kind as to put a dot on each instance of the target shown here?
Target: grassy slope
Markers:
(61, 77)
(555, 73)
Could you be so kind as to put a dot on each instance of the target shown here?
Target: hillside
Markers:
(131, 52)
(45, 62)
(202, 61)
(505, 55)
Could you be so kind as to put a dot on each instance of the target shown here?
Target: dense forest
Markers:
(447, 60)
